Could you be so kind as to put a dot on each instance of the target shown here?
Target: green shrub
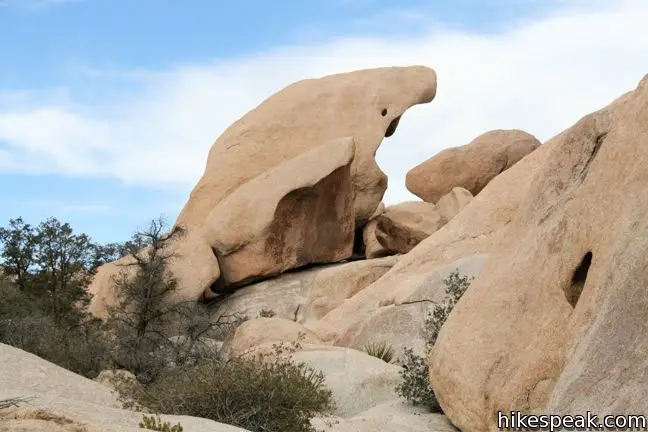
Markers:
(257, 394)
(381, 350)
(266, 313)
(415, 383)
(154, 423)
(455, 287)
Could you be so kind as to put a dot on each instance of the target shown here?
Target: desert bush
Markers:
(381, 350)
(256, 393)
(154, 423)
(415, 383)
(266, 313)
(79, 349)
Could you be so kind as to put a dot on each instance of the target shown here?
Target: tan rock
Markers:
(364, 105)
(357, 380)
(453, 202)
(334, 285)
(556, 318)
(300, 212)
(392, 416)
(399, 320)
(285, 295)
(373, 248)
(403, 226)
(191, 262)
(259, 331)
(471, 166)
(303, 296)
(473, 231)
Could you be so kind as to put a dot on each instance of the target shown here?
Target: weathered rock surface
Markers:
(300, 212)
(304, 296)
(60, 400)
(365, 105)
(358, 381)
(556, 319)
(403, 226)
(191, 261)
(334, 285)
(394, 416)
(473, 231)
(397, 229)
(260, 331)
(285, 295)
(471, 166)
(372, 247)
(397, 318)
(453, 202)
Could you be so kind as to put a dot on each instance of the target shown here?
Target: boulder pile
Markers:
(288, 217)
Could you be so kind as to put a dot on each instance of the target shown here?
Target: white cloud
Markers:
(540, 76)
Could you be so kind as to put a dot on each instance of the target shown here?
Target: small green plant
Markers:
(415, 383)
(266, 313)
(154, 423)
(381, 350)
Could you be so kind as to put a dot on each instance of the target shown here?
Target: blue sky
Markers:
(108, 107)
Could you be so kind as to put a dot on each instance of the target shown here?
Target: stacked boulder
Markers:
(291, 182)
(471, 166)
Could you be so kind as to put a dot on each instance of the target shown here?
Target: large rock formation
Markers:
(475, 230)
(365, 105)
(297, 213)
(471, 166)
(290, 182)
(556, 320)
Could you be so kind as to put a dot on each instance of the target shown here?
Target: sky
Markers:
(109, 107)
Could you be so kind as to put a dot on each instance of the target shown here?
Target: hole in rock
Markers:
(574, 290)
(392, 127)
(358, 244)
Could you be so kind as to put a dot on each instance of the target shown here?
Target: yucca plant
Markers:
(380, 350)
